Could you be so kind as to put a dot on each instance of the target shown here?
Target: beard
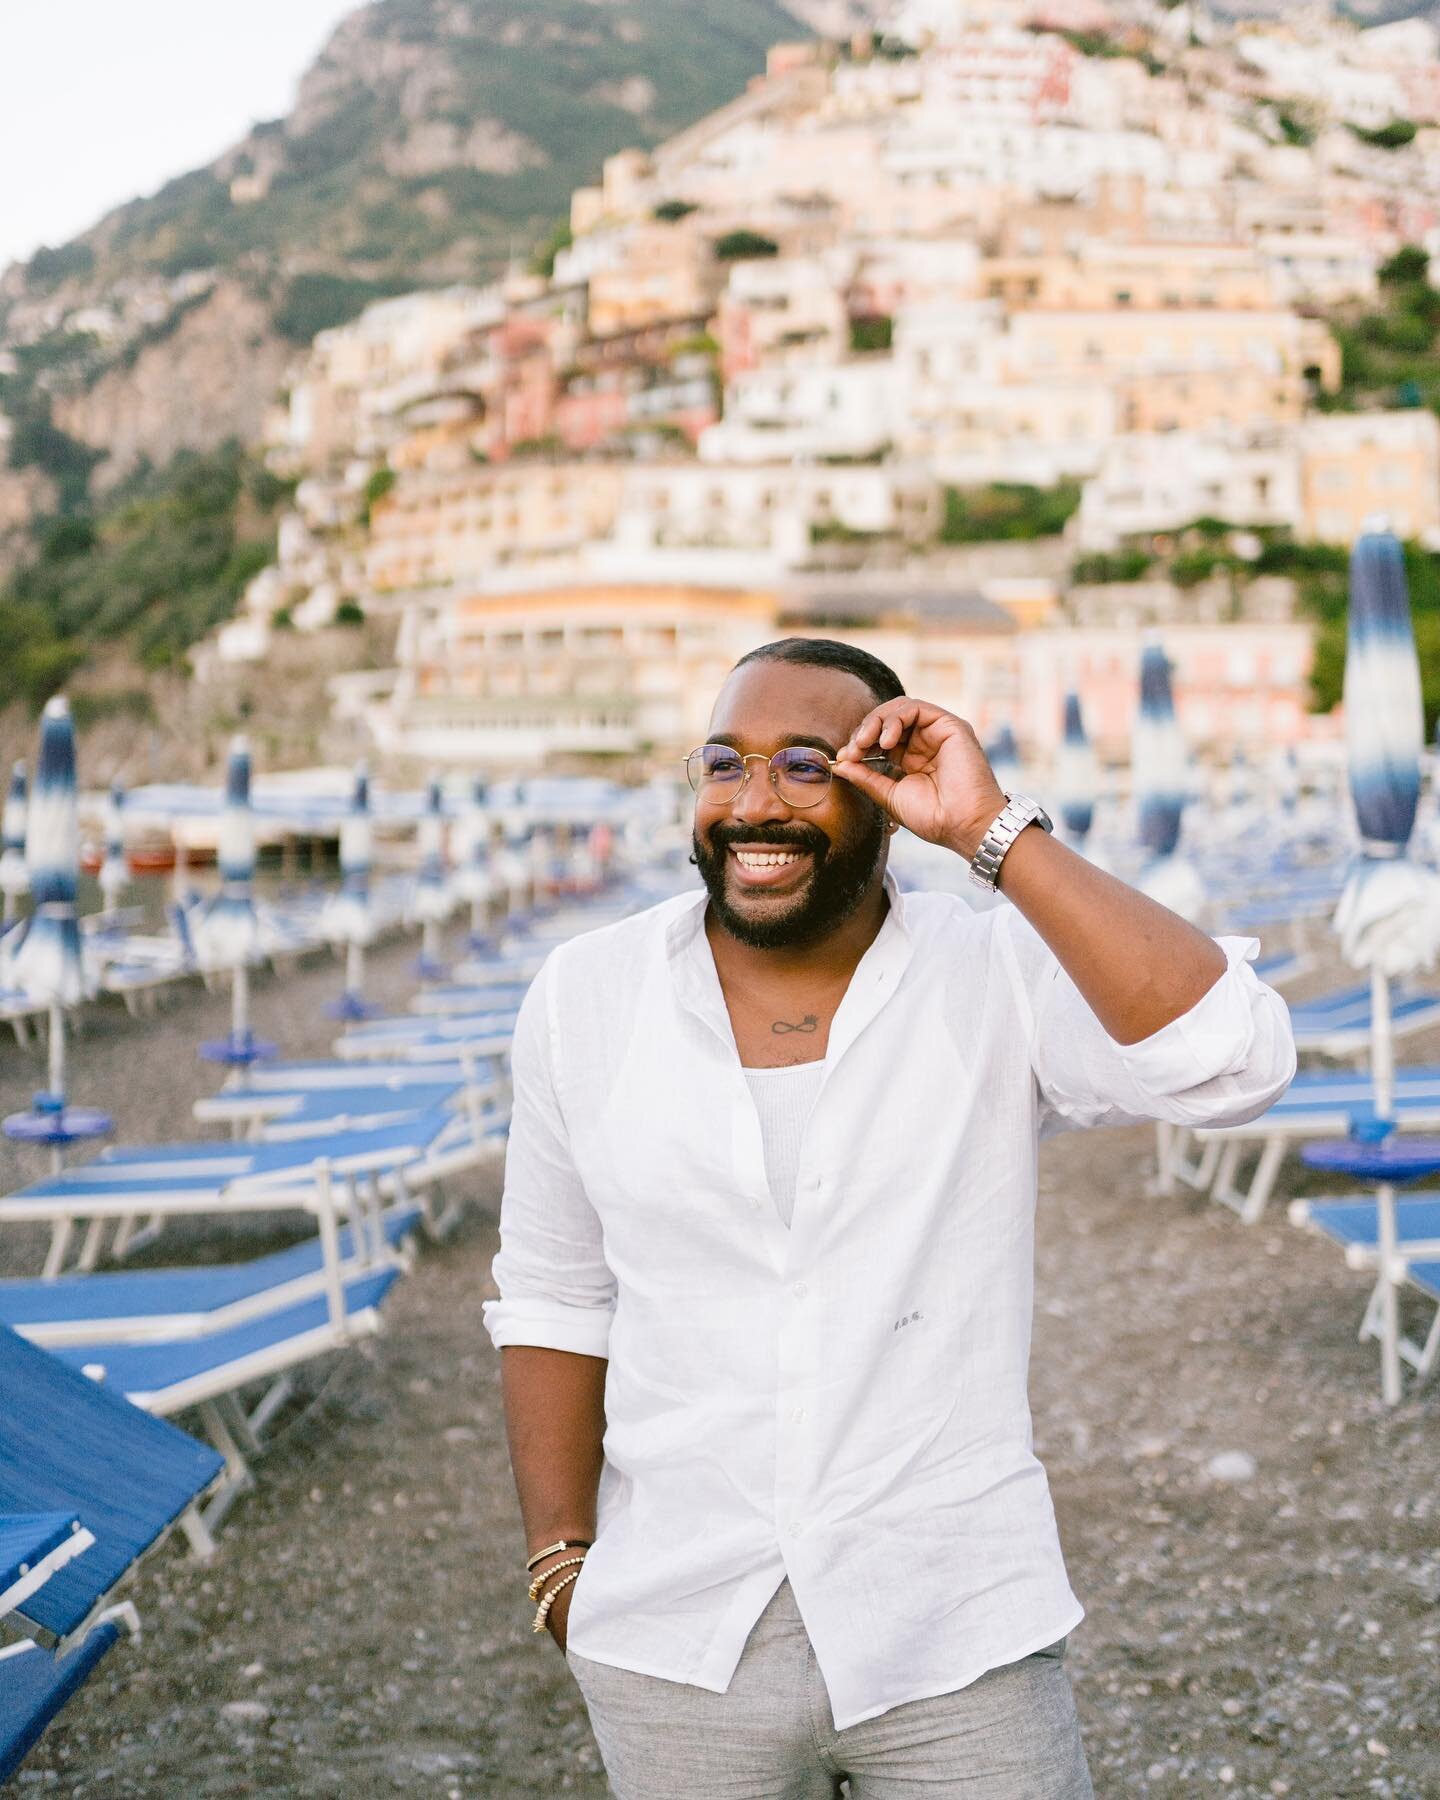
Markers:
(840, 876)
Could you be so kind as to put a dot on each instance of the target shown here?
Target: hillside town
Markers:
(1054, 267)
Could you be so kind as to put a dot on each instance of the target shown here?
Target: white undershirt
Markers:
(783, 1098)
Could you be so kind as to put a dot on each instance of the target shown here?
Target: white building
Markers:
(837, 411)
(1150, 482)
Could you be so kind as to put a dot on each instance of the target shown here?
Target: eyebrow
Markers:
(796, 741)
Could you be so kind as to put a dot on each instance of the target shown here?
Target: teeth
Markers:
(766, 859)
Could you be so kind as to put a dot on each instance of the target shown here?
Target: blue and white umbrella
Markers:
(349, 917)
(114, 870)
(1076, 775)
(475, 875)
(227, 930)
(14, 877)
(1160, 775)
(47, 961)
(1003, 755)
(1388, 918)
(433, 900)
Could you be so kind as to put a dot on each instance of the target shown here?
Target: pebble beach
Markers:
(1253, 1535)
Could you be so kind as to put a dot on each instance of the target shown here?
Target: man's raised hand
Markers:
(946, 791)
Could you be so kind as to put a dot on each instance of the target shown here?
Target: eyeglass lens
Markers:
(800, 777)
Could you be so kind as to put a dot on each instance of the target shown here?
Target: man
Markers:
(766, 1267)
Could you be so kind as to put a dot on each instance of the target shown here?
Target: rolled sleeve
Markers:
(1222, 1062)
(556, 1290)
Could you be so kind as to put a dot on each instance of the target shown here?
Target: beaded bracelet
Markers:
(570, 1562)
(560, 1544)
(543, 1610)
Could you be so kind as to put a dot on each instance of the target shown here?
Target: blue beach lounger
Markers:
(135, 1306)
(1354, 1225)
(209, 1372)
(1318, 1104)
(35, 1686)
(169, 1180)
(1340, 1024)
(67, 1445)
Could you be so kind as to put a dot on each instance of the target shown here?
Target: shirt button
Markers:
(797, 1528)
(800, 1290)
(798, 1415)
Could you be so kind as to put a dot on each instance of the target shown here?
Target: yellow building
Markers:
(554, 675)
(1179, 370)
(1355, 465)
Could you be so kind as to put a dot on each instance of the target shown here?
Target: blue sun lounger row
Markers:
(198, 1338)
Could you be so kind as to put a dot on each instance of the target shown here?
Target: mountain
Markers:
(429, 141)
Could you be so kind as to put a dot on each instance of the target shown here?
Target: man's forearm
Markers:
(555, 1422)
(1138, 965)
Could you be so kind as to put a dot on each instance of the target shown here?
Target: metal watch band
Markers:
(1018, 812)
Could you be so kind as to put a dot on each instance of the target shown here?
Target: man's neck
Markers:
(833, 958)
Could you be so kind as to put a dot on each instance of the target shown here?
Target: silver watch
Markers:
(1018, 812)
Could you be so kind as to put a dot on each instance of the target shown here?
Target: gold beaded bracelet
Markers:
(542, 1612)
(570, 1562)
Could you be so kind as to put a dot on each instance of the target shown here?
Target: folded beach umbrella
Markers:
(227, 930)
(349, 916)
(474, 877)
(1160, 775)
(1076, 774)
(46, 960)
(114, 871)
(1003, 754)
(14, 878)
(433, 899)
(1388, 918)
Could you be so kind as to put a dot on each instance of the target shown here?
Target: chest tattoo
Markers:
(782, 1027)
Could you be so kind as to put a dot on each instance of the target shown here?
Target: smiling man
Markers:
(767, 1255)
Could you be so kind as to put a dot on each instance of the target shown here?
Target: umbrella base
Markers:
(351, 1007)
(427, 968)
(238, 1052)
(57, 1126)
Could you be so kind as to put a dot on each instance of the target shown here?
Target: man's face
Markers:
(838, 845)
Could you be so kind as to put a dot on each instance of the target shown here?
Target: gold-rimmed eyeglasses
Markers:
(799, 775)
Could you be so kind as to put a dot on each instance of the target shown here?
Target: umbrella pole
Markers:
(1389, 1298)
(240, 1004)
(57, 1051)
(354, 968)
(1382, 1044)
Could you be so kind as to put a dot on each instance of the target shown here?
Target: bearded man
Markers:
(766, 1265)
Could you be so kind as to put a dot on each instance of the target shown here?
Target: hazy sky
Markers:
(101, 100)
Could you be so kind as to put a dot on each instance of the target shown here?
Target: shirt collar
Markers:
(692, 966)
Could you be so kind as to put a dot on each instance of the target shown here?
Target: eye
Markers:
(807, 767)
(722, 765)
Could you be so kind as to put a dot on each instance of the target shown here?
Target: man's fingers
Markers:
(868, 780)
(886, 726)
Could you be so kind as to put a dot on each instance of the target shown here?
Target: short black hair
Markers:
(830, 653)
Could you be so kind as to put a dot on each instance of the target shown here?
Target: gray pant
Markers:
(1011, 1735)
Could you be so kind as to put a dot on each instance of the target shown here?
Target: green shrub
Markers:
(1007, 511)
(874, 333)
(741, 246)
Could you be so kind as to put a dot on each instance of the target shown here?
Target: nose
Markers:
(757, 802)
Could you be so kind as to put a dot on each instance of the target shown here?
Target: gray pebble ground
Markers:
(1255, 1538)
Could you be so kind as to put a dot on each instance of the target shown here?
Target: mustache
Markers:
(779, 837)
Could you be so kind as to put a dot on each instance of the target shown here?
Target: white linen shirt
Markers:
(843, 1402)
